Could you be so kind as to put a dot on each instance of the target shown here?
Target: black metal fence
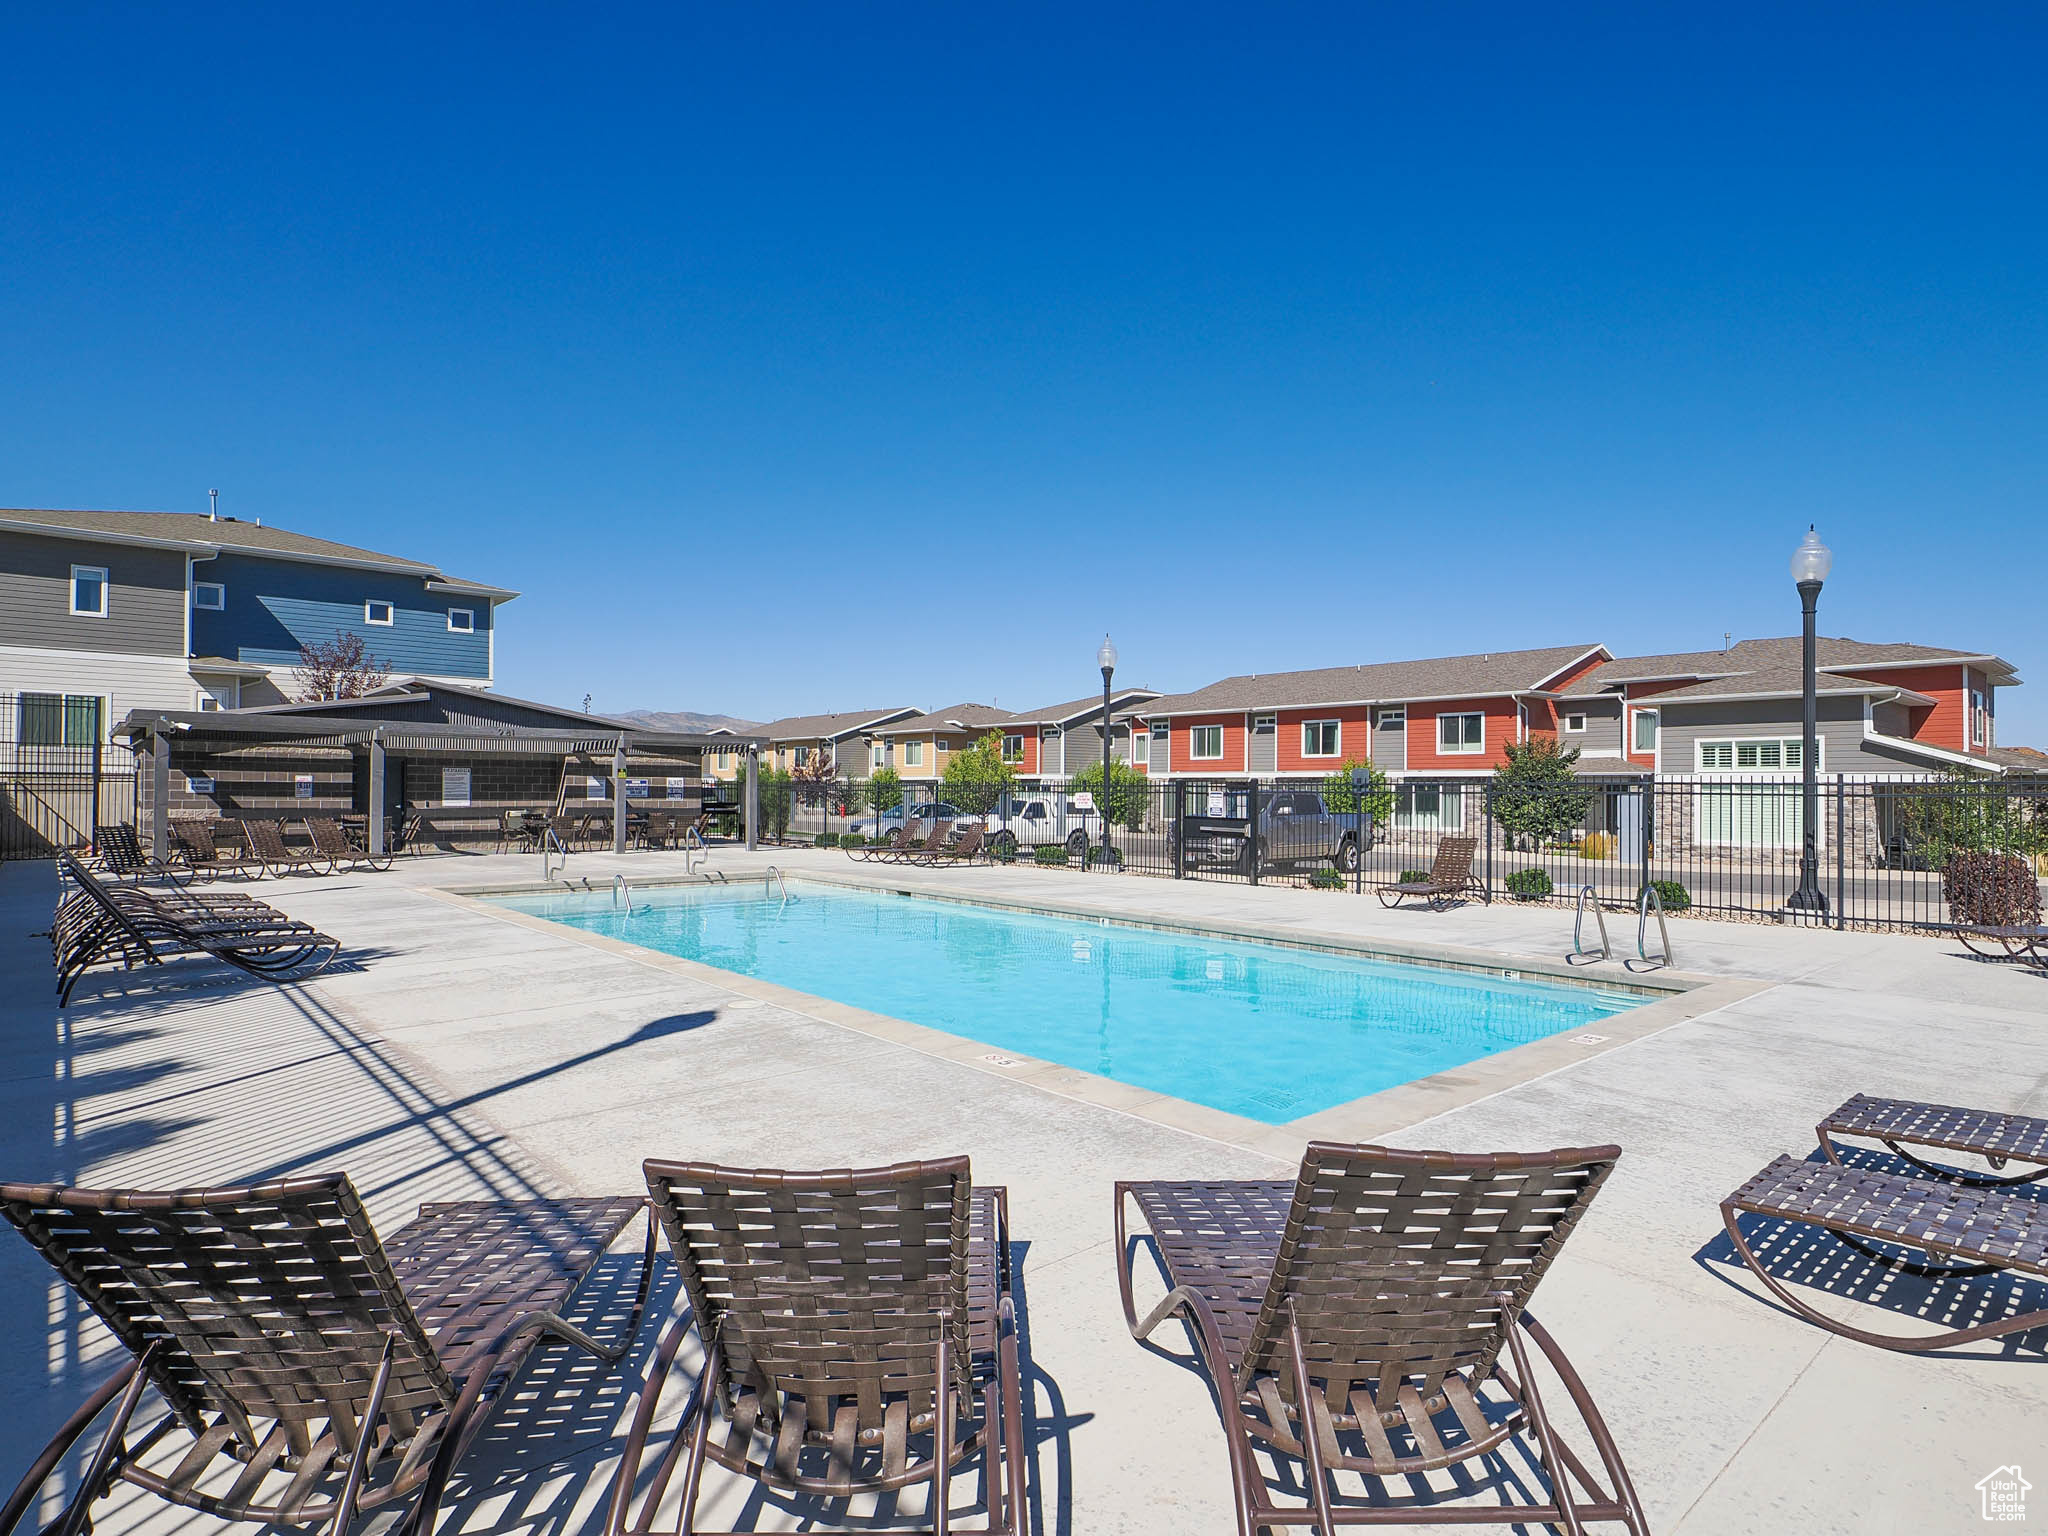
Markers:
(1727, 845)
(59, 779)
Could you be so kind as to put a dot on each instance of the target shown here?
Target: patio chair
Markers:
(266, 841)
(971, 845)
(197, 846)
(851, 1323)
(311, 1371)
(657, 831)
(120, 853)
(331, 841)
(511, 830)
(1450, 877)
(897, 844)
(925, 850)
(105, 925)
(1356, 1319)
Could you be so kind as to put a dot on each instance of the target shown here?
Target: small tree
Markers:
(977, 778)
(884, 791)
(778, 792)
(1342, 796)
(1129, 793)
(341, 668)
(1536, 795)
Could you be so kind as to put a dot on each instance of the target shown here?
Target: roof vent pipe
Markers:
(213, 506)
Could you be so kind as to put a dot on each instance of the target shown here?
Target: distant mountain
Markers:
(681, 720)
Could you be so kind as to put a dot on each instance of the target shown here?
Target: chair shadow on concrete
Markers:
(1808, 1260)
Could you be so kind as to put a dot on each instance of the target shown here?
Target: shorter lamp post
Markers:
(1811, 562)
(1105, 658)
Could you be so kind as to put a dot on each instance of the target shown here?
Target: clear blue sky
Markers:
(794, 359)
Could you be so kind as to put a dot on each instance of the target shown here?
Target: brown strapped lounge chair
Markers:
(895, 847)
(969, 847)
(266, 841)
(107, 925)
(120, 853)
(330, 1372)
(332, 842)
(850, 1321)
(1955, 1216)
(1450, 877)
(2025, 942)
(193, 836)
(1391, 1283)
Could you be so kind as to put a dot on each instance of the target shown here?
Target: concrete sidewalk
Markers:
(460, 1053)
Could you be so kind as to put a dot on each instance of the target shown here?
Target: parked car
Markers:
(1037, 820)
(1296, 827)
(922, 815)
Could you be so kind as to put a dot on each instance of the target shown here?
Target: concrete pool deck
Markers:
(459, 1052)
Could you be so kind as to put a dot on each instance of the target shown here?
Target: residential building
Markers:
(1057, 741)
(1883, 708)
(918, 748)
(102, 613)
(1448, 715)
(845, 740)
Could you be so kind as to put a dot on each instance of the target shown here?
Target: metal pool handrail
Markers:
(1581, 955)
(694, 851)
(774, 875)
(547, 868)
(1646, 961)
(619, 888)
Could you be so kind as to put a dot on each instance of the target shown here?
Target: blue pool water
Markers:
(1261, 1030)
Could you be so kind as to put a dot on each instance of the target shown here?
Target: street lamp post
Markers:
(1105, 658)
(1811, 562)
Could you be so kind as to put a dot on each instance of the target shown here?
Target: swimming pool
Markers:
(1267, 1031)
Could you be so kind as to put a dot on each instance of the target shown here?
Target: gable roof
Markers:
(396, 695)
(197, 532)
(1064, 713)
(847, 722)
(1779, 680)
(1386, 682)
(955, 717)
(1769, 658)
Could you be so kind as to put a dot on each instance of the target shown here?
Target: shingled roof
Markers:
(846, 722)
(956, 717)
(1387, 682)
(1759, 667)
(1121, 701)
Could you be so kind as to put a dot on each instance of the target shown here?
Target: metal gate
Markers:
(60, 779)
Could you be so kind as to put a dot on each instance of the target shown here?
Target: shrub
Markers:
(1597, 845)
(884, 792)
(1536, 795)
(1995, 889)
(977, 778)
(1529, 884)
(1129, 792)
(1412, 876)
(853, 840)
(1325, 880)
(828, 839)
(1676, 898)
(1107, 857)
(1003, 852)
(1049, 853)
(1342, 799)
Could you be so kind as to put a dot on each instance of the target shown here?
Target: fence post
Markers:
(92, 814)
(1486, 807)
(160, 795)
(1358, 842)
(1180, 826)
(1252, 828)
(1842, 859)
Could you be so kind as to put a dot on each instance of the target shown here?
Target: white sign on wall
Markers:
(636, 789)
(199, 786)
(302, 785)
(455, 786)
(678, 789)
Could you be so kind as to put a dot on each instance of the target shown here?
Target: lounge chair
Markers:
(197, 846)
(311, 1370)
(928, 848)
(331, 841)
(1991, 1134)
(266, 841)
(107, 925)
(2024, 942)
(897, 845)
(1391, 1283)
(850, 1321)
(120, 853)
(1450, 877)
(970, 845)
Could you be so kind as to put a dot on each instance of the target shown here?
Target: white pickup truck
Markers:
(1035, 820)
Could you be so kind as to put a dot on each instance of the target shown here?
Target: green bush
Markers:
(1343, 799)
(1107, 857)
(828, 839)
(1529, 884)
(884, 792)
(1129, 792)
(1676, 898)
(1412, 876)
(1003, 852)
(1325, 880)
(853, 840)
(1537, 797)
(1049, 853)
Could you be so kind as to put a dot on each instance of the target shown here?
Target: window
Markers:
(1767, 754)
(1980, 718)
(461, 621)
(1141, 745)
(1643, 732)
(913, 754)
(1461, 733)
(1205, 742)
(803, 757)
(209, 594)
(1013, 749)
(58, 720)
(377, 611)
(1429, 807)
(1319, 738)
(1575, 725)
(875, 756)
(943, 744)
(89, 591)
(1265, 725)
(208, 703)
(1393, 719)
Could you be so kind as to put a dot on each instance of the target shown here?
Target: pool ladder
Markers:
(621, 889)
(695, 854)
(773, 877)
(549, 841)
(1581, 955)
(1646, 961)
